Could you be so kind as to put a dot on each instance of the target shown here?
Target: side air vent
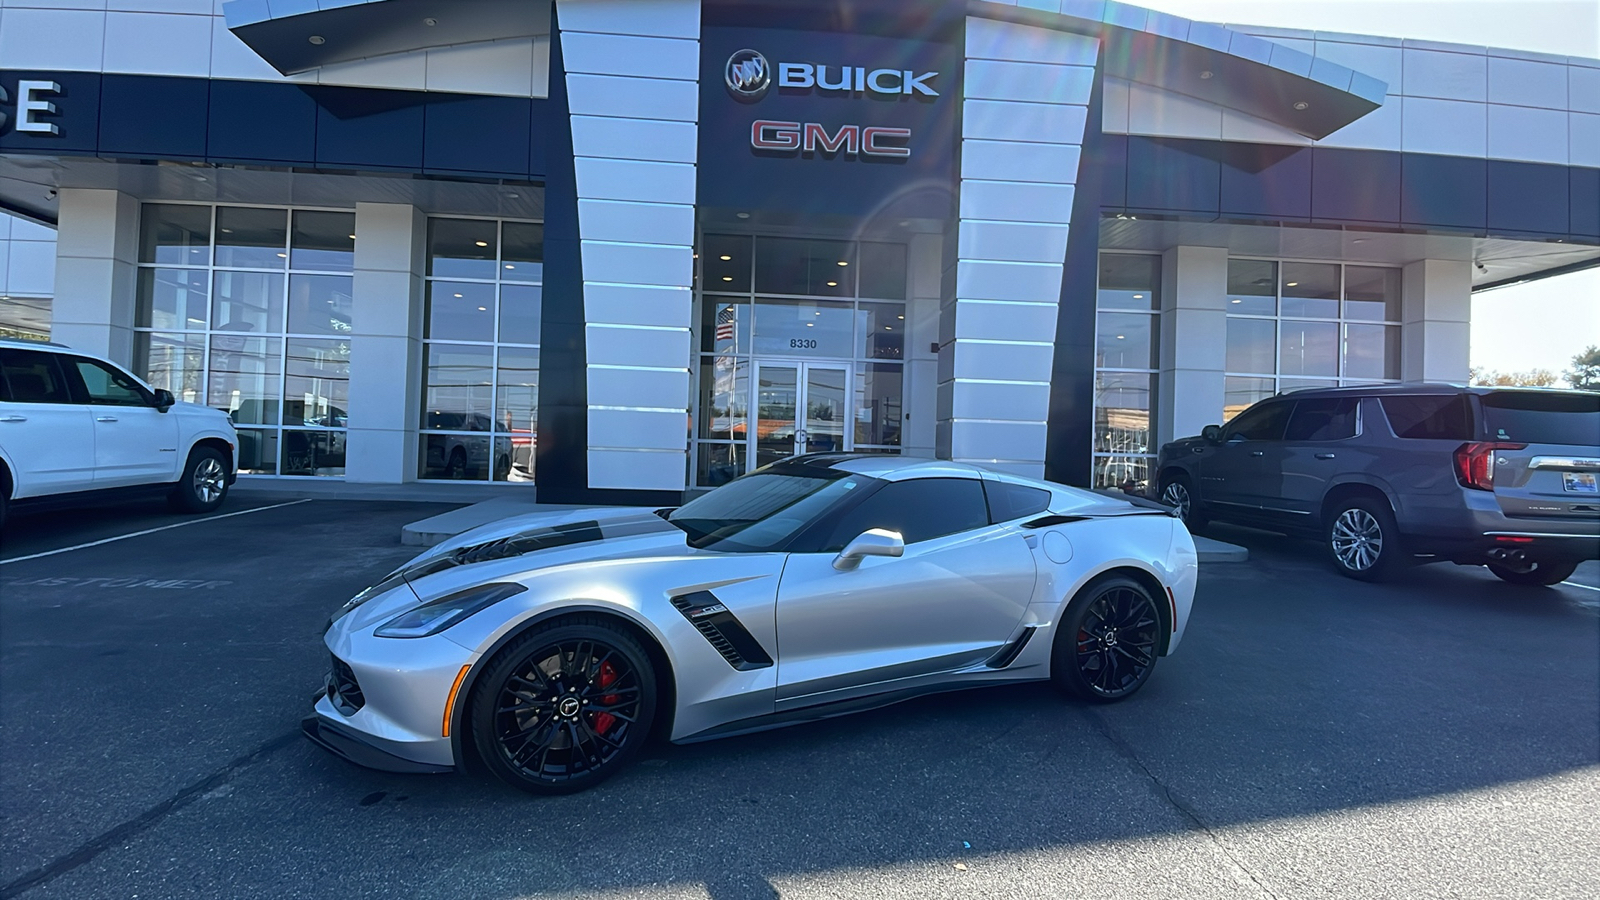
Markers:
(343, 690)
(1047, 521)
(726, 634)
(1008, 654)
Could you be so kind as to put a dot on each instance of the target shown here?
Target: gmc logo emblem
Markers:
(812, 137)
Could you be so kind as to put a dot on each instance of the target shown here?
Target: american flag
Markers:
(725, 324)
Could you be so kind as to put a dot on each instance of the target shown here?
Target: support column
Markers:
(1025, 103)
(386, 344)
(634, 138)
(1194, 341)
(97, 253)
(1435, 315)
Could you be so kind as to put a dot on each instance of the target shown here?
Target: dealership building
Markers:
(620, 249)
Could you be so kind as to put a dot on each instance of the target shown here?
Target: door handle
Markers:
(1255, 452)
(13, 418)
(1324, 456)
(1197, 449)
(105, 418)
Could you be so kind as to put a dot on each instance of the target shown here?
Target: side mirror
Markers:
(1212, 433)
(872, 542)
(164, 399)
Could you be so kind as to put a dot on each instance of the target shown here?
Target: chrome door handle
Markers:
(13, 418)
(1255, 452)
(105, 418)
(1324, 456)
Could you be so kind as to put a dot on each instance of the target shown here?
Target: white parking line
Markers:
(123, 537)
(1586, 587)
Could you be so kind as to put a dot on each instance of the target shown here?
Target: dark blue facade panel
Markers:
(1355, 186)
(1585, 204)
(77, 117)
(476, 134)
(1528, 198)
(163, 118)
(256, 121)
(1444, 192)
(1173, 175)
(272, 123)
(1202, 180)
(1265, 181)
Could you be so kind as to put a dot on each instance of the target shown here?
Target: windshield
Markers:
(1539, 418)
(763, 510)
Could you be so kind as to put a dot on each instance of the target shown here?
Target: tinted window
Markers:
(32, 377)
(1322, 420)
(920, 510)
(108, 386)
(1259, 423)
(1013, 501)
(763, 510)
(1441, 417)
(1571, 419)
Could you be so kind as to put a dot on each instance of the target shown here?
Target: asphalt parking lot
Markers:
(1438, 736)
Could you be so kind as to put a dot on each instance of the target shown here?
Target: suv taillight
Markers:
(1475, 463)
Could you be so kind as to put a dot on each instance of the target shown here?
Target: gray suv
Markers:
(1390, 474)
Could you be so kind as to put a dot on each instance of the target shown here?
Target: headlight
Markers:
(437, 615)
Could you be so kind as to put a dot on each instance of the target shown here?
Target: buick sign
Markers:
(747, 76)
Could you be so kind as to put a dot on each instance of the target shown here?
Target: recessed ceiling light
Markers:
(743, 215)
(510, 266)
(1138, 296)
(888, 328)
(899, 317)
(317, 39)
(458, 295)
(833, 284)
(1122, 337)
(430, 21)
(1359, 241)
(843, 263)
(811, 324)
(1301, 104)
(727, 278)
(513, 194)
(227, 231)
(1206, 74)
(1294, 284)
(283, 256)
(352, 237)
(483, 309)
(1235, 301)
(725, 257)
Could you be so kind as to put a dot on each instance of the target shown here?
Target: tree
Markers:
(1585, 372)
(1494, 378)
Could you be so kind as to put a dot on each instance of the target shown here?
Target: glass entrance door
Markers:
(801, 408)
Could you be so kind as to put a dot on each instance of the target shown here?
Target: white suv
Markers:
(71, 423)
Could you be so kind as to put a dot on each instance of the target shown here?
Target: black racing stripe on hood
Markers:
(542, 538)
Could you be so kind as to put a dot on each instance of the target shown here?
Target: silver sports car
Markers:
(554, 645)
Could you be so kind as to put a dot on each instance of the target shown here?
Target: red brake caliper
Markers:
(604, 721)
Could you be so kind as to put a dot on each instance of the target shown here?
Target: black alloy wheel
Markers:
(1108, 640)
(1536, 574)
(565, 706)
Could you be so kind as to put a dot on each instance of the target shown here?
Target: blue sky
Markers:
(1539, 325)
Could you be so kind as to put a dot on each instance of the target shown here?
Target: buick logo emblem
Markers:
(747, 75)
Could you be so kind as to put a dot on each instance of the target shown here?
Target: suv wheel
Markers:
(1542, 573)
(204, 483)
(1176, 491)
(1362, 539)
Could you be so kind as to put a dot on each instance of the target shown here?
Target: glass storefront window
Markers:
(883, 271)
(724, 324)
(267, 347)
(480, 393)
(724, 397)
(882, 330)
(251, 238)
(800, 266)
(880, 390)
(1127, 352)
(1338, 325)
(803, 328)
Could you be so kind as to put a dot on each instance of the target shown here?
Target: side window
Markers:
(1323, 420)
(1259, 423)
(920, 509)
(1436, 417)
(1013, 501)
(33, 377)
(108, 386)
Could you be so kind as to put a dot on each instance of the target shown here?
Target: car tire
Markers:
(1107, 642)
(564, 706)
(1362, 539)
(1542, 574)
(1178, 491)
(204, 483)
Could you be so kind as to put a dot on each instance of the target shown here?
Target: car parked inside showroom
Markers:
(1388, 475)
(74, 426)
(552, 645)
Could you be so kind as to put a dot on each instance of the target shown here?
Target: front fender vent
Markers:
(343, 689)
(726, 634)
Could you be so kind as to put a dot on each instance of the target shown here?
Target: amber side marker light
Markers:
(450, 701)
